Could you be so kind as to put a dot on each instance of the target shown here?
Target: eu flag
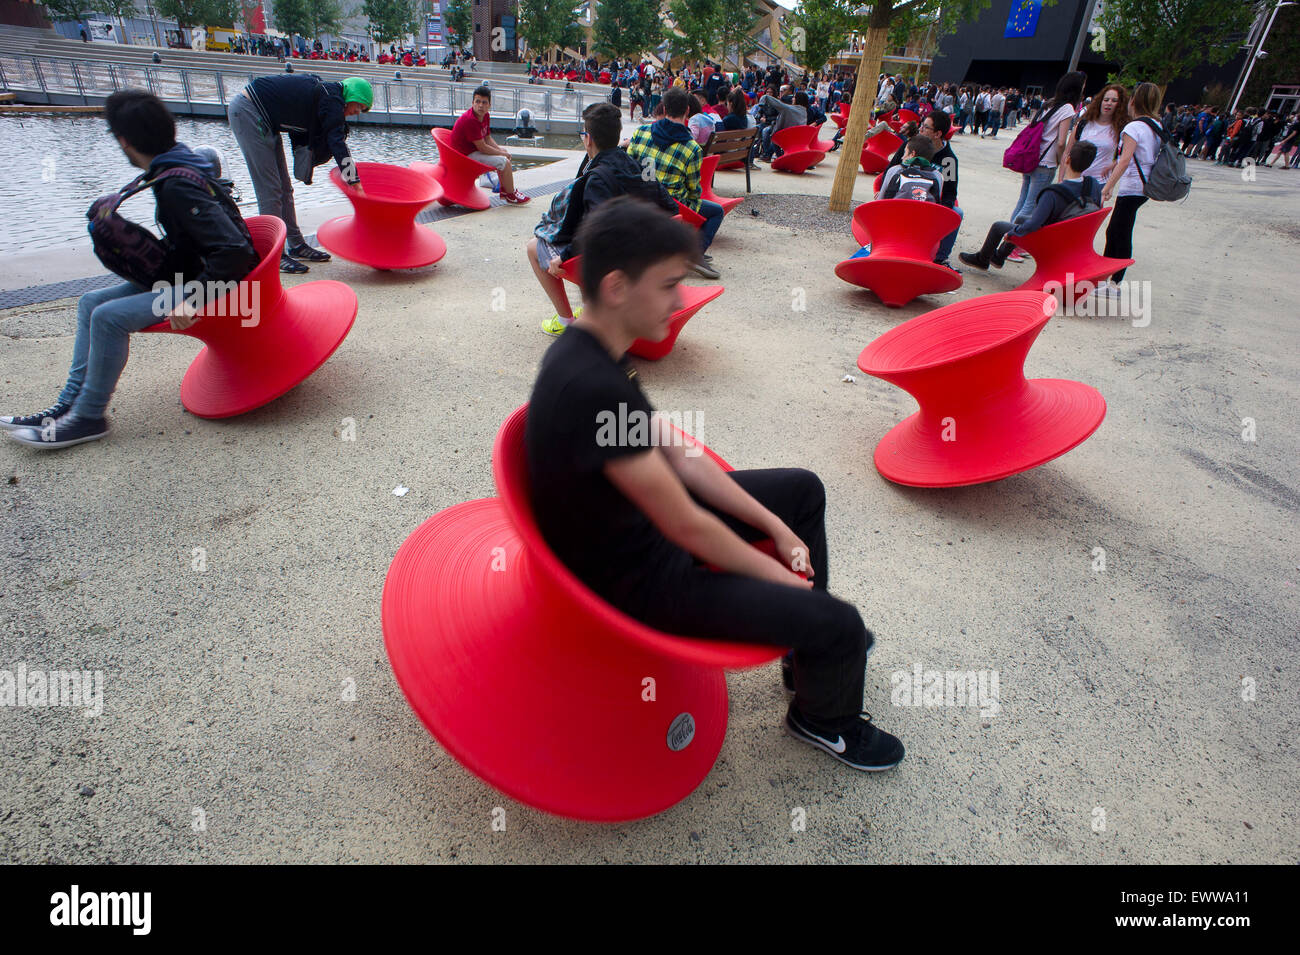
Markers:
(1023, 18)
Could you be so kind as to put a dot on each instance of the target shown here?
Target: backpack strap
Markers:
(1160, 134)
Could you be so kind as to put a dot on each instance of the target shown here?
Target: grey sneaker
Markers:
(704, 268)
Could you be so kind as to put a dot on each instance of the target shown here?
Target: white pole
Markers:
(1254, 55)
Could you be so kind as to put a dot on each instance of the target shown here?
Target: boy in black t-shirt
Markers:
(637, 514)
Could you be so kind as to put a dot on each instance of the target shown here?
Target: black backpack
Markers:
(129, 249)
(1076, 206)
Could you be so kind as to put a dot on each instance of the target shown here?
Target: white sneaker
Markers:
(1107, 289)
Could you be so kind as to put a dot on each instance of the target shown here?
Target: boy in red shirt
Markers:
(472, 136)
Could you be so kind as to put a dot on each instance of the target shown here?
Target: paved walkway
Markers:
(1148, 710)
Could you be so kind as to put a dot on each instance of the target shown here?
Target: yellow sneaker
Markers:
(556, 325)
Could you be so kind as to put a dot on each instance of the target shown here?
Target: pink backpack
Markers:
(1026, 151)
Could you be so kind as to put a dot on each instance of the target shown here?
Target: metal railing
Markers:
(401, 101)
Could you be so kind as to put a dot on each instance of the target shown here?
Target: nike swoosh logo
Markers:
(839, 745)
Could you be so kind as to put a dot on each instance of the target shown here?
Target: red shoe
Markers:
(516, 198)
(1016, 257)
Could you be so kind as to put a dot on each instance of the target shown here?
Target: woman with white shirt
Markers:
(1057, 114)
(1101, 124)
(1140, 142)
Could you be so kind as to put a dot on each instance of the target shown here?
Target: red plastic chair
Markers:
(381, 231)
(456, 173)
(875, 188)
(904, 236)
(688, 215)
(799, 154)
(262, 339)
(841, 119)
(980, 420)
(707, 168)
(877, 152)
(1064, 255)
(534, 683)
(694, 298)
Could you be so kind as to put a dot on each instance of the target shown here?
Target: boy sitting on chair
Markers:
(914, 177)
(641, 517)
(1075, 195)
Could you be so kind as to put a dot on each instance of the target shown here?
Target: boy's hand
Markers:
(792, 552)
(555, 269)
(182, 316)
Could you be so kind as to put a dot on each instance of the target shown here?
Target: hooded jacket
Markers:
(676, 157)
(205, 242)
(310, 111)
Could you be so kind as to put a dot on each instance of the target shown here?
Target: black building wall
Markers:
(978, 53)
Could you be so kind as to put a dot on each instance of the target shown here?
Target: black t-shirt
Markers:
(588, 409)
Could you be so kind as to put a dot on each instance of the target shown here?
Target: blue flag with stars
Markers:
(1023, 18)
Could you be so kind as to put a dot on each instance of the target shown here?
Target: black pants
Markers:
(828, 636)
(1119, 232)
(995, 250)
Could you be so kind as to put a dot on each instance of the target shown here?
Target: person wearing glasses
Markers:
(314, 113)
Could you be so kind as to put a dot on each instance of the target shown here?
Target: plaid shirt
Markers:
(677, 167)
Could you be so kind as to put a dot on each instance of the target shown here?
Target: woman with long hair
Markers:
(1057, 115)
(1101, 124)
(1140, 142)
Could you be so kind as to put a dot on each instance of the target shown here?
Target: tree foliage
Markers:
(392, 20)
(67, 11)
(818, 30)
(548, 24)
(460, 23)
(696, 23)
(627, 28)
(734, 20)
(1158, 41)
(193, 13)
(307, 17)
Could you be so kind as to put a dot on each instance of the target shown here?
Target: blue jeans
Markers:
(1032, 183)
(945, 247)
(105, 320)
(712, 213)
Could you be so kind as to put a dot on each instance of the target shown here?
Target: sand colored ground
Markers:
(1148, 711)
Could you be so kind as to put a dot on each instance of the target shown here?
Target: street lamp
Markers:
(1257, 54)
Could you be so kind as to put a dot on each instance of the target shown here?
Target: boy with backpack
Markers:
(915, 177)
(606, 172)
(205, 242)
(1076, 195)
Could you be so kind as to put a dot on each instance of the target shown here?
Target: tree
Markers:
(1157, 42)
(878, 21)
(69, 11)
(308, 17)
(696, 23)
(193, 13)
(547, 24)
(120, 9)
(460, 23)
(627, 28)
(392, 20)
(734, 20)
(819, 29)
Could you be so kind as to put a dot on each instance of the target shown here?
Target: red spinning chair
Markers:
(708, 167)
(904, 236)
(841, 119)
(875, 188)
(534, 683)
(688, 215)
(900, 118)
(456, 173)
(694, 298)
(381, 231)
(1064, 255)
(821, 145)
(799, 154)
(980, 420)
(289, 333)
(878, 150)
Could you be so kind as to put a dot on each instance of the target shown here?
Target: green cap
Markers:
(357, 90)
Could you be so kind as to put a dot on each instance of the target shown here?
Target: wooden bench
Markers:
(732, 146)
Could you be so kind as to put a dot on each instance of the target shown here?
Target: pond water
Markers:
(58, 165)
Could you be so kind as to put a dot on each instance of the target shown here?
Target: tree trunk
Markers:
(864, 101)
